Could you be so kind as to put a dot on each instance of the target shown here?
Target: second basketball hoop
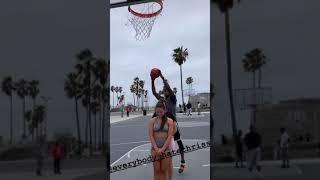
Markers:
(143, 16)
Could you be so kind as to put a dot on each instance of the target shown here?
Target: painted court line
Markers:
(137, 142)
(126, 154)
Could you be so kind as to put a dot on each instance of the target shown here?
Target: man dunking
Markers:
(171, 102)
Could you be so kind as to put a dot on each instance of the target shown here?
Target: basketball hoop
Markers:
(142, 17)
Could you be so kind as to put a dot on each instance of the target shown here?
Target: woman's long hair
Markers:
(162, 105)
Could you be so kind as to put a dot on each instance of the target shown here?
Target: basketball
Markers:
(155, 73)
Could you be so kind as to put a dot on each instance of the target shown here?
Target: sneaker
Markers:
(250, 169)
(182, 166)
(283, 166)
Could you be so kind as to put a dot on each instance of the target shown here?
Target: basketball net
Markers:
(142, 18)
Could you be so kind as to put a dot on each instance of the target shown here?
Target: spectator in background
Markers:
(127, 110)
(284, 145)
(189, 107)
(57, 154)
(276, 149)
(199, 108)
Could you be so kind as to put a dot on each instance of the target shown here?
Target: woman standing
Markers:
(160, 132)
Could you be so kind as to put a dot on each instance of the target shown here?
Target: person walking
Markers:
(57, 154)
(189, 107)
(253, 143)
(199, 108)
(127, 110)
(239, 149)
(284, 145)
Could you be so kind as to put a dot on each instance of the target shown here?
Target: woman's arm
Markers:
(151, 135)
(170, 134)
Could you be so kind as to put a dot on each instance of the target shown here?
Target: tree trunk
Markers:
(134, 100)
(181, 83)
(254, 97)
(37, 123)
(11, 120)
(104, 125)
(24, 120)
(86, 129)
(95, 130)
(260, 77)
(100, 124)
(78, 123)
(113, 99)
(229, 68)
(117, 99)
(137, 101)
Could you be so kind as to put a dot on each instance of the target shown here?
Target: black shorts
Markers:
(176, 136)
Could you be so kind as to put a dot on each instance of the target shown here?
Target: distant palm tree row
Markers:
(116, 89)
(33, 118)
(88, 85)
(138, 92)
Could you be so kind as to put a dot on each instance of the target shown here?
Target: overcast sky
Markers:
(39, 40)
(288, 32)
(181, 24)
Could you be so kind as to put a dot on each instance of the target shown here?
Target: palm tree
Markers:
(116, 89)
(180, 56)
(141, 91)
(112, 90)
(189, 81)
(224, 6)
(38, 118)
(254, 61)
(120, 90)
(102, 70)
(33, 92)
(73, 90)
(86, 68)
(8, 88)
(132, 90)
(22, 92)
(136, 81)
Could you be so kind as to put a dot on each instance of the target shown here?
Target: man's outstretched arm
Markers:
(154, 92)
(167, 86)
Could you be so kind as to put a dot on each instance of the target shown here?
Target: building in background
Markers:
(203, 98)
(300, 116)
